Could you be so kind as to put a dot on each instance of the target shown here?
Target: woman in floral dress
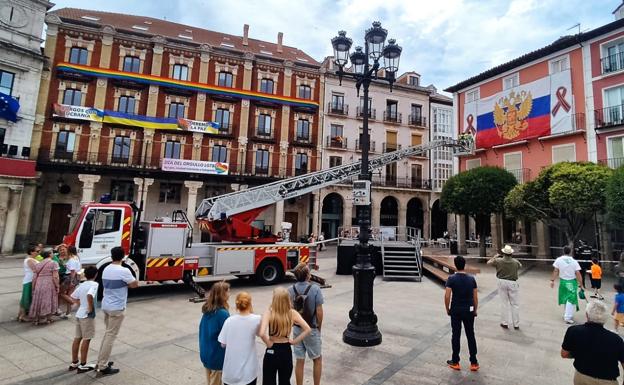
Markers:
(45, 289)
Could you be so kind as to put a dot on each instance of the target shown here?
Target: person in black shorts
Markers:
(461, 301)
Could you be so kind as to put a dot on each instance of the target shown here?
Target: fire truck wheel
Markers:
(269, 272)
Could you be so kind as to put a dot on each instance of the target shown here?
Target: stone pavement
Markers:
(158, 340)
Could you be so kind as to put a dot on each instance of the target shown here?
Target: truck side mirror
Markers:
(86, 236)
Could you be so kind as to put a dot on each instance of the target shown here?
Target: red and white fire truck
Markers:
(163, 250)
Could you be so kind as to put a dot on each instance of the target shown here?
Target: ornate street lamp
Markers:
(362, 330)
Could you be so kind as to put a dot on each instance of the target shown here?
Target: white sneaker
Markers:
(569, 321)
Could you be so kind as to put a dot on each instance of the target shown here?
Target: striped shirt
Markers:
(115, 280)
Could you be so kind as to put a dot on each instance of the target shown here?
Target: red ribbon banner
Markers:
(561, 102)
(469, 121)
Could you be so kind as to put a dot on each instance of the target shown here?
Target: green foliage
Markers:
(615, 198)
(477, 192)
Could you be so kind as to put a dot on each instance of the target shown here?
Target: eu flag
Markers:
(8, 107)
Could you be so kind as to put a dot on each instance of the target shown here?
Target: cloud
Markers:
(446, 41)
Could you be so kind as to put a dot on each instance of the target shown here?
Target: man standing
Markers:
(116, 280)
(569, 272)
(461, 302)
(596, 351)
(507, 273)
(308, 300)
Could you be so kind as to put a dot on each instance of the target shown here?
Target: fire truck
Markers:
(164, 250)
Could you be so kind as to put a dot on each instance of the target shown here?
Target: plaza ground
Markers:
(158, 344)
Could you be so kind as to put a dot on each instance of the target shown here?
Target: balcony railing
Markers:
(261, 134)
(303, 139)
(226, 129)
(358, 145)
(417, 120)
(522, 175)
(336, 142)
(372, 113)
(67, 155)
(609, 116)
(612, 162)
(120, 159)
(337, 109)
(390, 181)
(389, 147)
(612, 63)
(392, 117)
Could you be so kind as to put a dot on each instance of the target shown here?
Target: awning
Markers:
(17, 168)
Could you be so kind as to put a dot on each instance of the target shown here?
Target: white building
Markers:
(21, 63)
(401, 193)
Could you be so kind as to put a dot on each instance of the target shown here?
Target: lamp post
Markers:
(362, 330)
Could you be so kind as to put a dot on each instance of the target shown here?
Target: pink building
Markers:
(562, 102)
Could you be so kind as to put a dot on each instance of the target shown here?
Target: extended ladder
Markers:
(227, 205)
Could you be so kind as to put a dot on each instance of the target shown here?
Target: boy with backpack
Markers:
(308, 300)
(85, 295)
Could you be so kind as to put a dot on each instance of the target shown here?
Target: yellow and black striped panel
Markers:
(164, 262)
(259, 247)
(304, 259)
(203, 271)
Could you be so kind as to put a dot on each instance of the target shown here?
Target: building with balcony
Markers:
(562, 102)
(153, 111)
(401, 192)
(21, 64)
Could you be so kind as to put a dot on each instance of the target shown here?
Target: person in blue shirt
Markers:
(618, 307)
(215, 311)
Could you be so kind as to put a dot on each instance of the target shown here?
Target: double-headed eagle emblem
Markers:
(510, 119)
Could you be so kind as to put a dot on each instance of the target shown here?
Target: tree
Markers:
(567, 192)
(615, 198)
(479, 193)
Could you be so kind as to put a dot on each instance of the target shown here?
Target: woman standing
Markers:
(45, 289)
(238, 337)
(29, 265)
(279, 321)
(215, 311)
(71, 278)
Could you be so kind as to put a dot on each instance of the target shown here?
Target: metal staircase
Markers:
(402, 260)
(227, 205)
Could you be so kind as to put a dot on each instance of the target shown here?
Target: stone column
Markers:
(461, 234)
(497, 233)
(375, 214)
(347, 214)
(13, 208)
(315, 213)
(426, 223)
(242, 150)
(143, 185)
(402, 215)
(543, 239)
(88, 184)
(198, 137)
(279, 217)
(148, 140)
(25, 215)
(191, 204)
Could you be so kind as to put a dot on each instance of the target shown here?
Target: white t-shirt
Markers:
(82, 291)
(567, 266)
(28, 273)
(115, 280)
(73, 264)
(238, 334)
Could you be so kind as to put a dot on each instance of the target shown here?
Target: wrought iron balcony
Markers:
(417, 120)
(260, 133)
(358, 145)
(389, 147)
(372, 113)
(393, 117)
(393, 181)
(612, 162)
(337, 108)
(609, 117)
(612, 63)
(522, 175)
(336, 142)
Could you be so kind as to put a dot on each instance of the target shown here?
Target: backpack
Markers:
(300, 304)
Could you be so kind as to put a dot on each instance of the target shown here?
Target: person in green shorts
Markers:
(29, 265)
(569, 272)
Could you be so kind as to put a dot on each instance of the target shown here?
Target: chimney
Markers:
(280, 36)
(246, 34)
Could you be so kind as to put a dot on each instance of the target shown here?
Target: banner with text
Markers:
(194, 166)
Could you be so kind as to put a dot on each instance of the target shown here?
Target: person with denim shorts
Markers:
(312, 343)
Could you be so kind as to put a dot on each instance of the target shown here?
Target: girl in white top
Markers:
(29, 265)
(238, 337)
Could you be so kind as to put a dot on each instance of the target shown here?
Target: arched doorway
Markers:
(331, 218)
(415, 215)
(389, 212)
(439, 218)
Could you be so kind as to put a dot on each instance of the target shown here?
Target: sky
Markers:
(445, 41)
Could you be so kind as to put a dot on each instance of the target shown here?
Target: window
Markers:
(303, 129)
(337, 103)
(170, 193)
(107, 221)
(416, 175)
(219, 154)
(172, 149)
(416, 140)
(416, 115)
(305, 92)
(266, 86)
(413, 80)
(6, 82)
(558, 65)
(264, 125)
(335, 161)
(301, 164)
(262, 161)
(176, 110)
(126, 104)
(472, 95)
(564, 153)
(72, 97)
(78, 55)
(614, 101)
(370, 107)
(225, 79)
(511, 81)
(392, 107)
(513, 164)
(615, 151)
(614, 57)
(132, 64)
(122, 190)
(336, 131)
(391, 141)
(222, 116)
(65, 142)
(473, 163)
(180, 72)
(121, 149)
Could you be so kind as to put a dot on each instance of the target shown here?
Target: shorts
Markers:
(596, 283)
(619, 317)
(85, 328)
(311, 344)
